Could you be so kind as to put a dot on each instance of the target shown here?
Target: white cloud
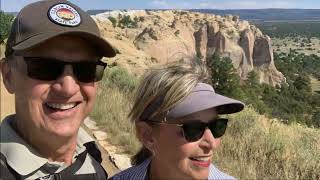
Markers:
(219, 4)
(159, 3)
(164, 4)
(247, 4)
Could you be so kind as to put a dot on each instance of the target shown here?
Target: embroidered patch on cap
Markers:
(64, 14)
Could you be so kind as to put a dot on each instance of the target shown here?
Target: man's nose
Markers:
(66, 85)
(208, 141)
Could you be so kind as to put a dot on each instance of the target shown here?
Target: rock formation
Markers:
(159, 37)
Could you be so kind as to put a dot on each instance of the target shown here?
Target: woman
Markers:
(176, 119)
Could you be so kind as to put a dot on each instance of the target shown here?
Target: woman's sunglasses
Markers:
(48, 69)
(194, 130)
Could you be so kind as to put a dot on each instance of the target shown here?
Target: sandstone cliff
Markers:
(158, 37)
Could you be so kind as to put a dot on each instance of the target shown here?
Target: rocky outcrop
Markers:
(163, 36)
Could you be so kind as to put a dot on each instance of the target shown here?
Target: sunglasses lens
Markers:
(89, 72)
(218, 127)
(193, 131)
(49, 69)
(46, 70)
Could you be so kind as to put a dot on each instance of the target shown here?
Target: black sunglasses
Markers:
(194, 130)
(49, 69)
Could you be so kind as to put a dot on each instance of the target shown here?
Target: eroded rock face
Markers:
(164, 36)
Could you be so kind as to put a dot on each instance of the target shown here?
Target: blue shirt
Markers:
(140, 172)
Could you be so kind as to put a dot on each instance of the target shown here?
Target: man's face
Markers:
(53, 108)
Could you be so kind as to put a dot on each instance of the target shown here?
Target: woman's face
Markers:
(175, 157)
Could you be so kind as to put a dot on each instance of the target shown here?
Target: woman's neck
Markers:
(158, 172)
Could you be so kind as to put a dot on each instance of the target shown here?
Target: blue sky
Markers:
(16, 5)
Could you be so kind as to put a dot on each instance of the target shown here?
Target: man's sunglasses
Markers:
(48, 69)
(194, 130)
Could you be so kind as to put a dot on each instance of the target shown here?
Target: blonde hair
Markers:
(171, 83)
(166, 87)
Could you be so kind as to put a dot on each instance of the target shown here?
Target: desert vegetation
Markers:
(125, 21)
(301, 36)
(307, 29)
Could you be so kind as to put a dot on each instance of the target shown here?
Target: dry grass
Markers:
(110, 113)
(2, 49)
(253, 148)
(315, 84)
(259, 148)
(112, 107)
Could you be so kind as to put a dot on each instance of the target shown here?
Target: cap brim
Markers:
(196, 102)
(104, 47)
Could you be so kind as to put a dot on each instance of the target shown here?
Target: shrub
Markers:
(126, 22)
(120, 78)
(5, 25)
(113, 20)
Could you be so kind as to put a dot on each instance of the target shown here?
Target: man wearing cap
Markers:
(52, 64)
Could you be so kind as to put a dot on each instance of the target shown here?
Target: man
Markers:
(52, 64)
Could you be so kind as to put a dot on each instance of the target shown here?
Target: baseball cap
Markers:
(202, 97)
(43, 20)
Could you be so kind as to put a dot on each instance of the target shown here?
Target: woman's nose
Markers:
(209, 141)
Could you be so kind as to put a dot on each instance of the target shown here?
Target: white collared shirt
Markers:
(140, 172)
(27, 162)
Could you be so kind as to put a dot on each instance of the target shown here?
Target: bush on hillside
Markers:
(5, 25)
(120, 78)
(113, 21)
(224, 78)
(126, 22)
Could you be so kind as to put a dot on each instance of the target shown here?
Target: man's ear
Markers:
(7, 75)
(145, 134)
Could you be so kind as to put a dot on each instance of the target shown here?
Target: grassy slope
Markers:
(253, 148)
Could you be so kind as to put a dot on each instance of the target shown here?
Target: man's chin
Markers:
(64, 132)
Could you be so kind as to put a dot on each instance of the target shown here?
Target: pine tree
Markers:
(5, 24)
(224, 78)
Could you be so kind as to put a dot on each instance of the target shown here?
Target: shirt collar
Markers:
(18, 152)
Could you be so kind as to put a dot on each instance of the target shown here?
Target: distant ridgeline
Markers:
(250, 14)
(278, 22)
(268, 14)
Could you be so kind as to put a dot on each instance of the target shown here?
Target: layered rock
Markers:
(164, 36)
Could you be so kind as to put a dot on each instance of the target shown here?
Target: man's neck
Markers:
(53, 148)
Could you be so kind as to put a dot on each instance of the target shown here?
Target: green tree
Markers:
(316, 119)
(5, 24)
(302, 83)
(126, 21)
(113, 21)
(224, 78)
(252, 80)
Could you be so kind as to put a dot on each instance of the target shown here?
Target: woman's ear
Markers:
(7, 75)
(145, 134)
